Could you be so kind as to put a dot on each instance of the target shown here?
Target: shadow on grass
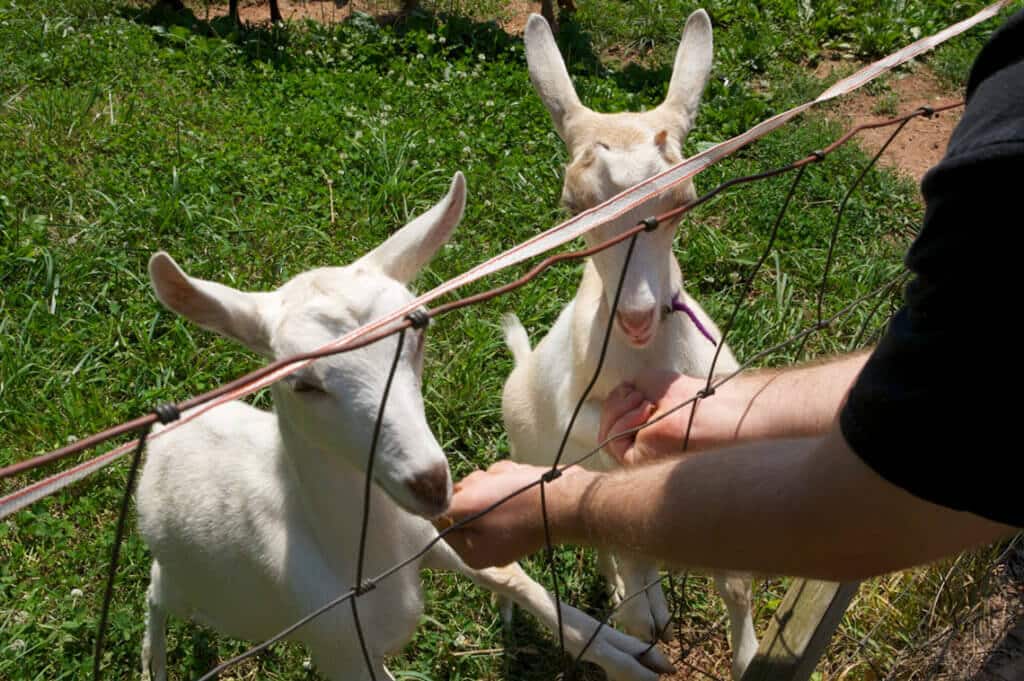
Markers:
(463, 35)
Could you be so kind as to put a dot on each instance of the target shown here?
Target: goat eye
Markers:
(602, 145)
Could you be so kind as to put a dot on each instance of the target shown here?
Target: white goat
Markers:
(253, 517)
(610, 153)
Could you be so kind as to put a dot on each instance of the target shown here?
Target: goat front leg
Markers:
(622, 657)
(737, 593)
(640, 605)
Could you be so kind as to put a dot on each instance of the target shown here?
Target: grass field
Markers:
(125, 129)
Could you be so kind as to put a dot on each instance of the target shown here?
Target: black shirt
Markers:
(934, 410)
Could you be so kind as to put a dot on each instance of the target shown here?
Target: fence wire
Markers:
(677, 593)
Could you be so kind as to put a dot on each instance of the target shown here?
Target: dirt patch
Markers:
(517, 13)
(698, 651)
(257, 12)
(989, 646)
(923, 141)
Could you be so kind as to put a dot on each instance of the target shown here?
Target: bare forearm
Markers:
(800, 401)
(804, 507)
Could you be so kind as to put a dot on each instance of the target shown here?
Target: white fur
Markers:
(609, 153)
(253, 517)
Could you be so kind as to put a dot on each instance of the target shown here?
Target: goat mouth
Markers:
(637, 340)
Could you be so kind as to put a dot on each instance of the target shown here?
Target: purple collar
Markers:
(679, 306)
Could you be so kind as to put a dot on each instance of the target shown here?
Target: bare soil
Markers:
(923, 141)
(256, 12)
(989, 646)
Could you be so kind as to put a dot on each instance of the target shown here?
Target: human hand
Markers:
(651, 395)
(513, 529)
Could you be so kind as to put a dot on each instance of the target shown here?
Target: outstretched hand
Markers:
(515, 527)
(651, 395)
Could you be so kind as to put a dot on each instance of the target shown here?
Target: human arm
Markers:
(805, 506)
(770, 403)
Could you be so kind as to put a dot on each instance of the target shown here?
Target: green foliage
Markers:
(124, 130)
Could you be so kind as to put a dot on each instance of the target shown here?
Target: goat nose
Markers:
(636, 322)
(432, 489)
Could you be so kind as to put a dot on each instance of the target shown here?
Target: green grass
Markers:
(125, 130)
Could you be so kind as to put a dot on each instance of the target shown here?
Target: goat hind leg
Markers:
(154, 640)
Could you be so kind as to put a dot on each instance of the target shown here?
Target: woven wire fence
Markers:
(691, 632)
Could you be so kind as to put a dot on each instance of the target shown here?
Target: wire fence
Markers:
(687, 641)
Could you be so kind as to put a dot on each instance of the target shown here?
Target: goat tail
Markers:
(515, 337)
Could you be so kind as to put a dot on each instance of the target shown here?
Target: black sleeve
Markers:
(934, 409)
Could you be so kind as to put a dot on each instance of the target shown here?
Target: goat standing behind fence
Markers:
(254, 518)
(657, 324)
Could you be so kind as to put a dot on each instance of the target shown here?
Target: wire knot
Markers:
(650, 224)
(706, 392)
(822, 325)
(818, 154)
(364, 588)
(927, 111)
(166, 413)
(551, 475)
(419, 318)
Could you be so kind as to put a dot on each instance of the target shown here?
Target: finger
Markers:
(617, 446)
(623, 431)
(468, 497)
(631, 420)
(617, 404)
(503, 466)
(470, 480)
(623, 400)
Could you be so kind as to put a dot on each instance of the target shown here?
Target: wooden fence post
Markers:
(800, 630)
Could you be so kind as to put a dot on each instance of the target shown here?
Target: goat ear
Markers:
(408, 250)
(213, 306)
(549, 75)
(691, 69)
